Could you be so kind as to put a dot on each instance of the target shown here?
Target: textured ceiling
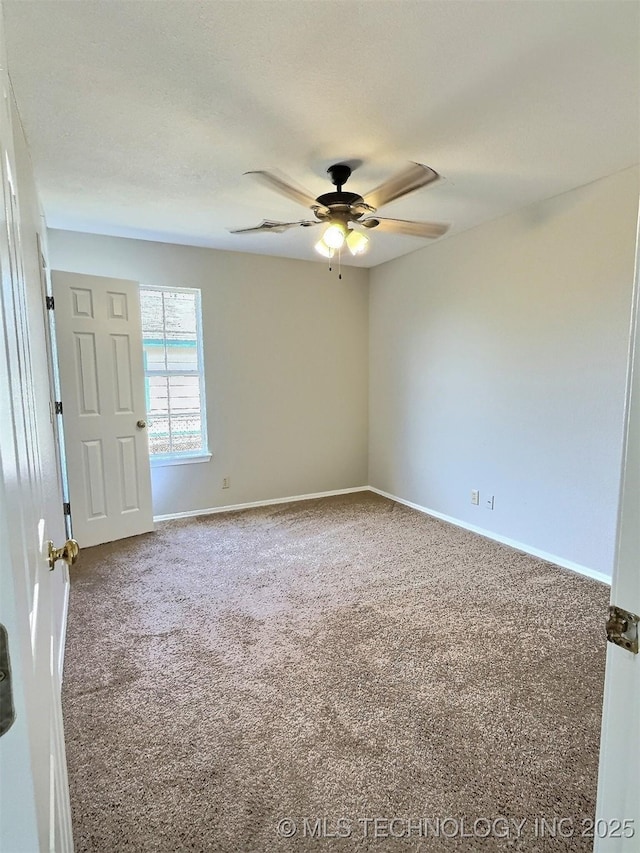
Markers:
(143, 116)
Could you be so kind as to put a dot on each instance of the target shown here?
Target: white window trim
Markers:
(158, 461)
(186, 458)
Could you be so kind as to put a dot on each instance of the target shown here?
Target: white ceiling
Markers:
(143, 116)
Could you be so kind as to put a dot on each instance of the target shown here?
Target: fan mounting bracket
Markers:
(340, 174)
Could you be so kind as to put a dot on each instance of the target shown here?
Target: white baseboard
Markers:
(233, 507)
(504, 540)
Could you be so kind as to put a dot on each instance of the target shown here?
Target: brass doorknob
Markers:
(69, 553)
(141, 424)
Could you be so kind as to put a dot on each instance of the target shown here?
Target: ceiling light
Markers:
(324, 250)
(335, 234)
(357, 242)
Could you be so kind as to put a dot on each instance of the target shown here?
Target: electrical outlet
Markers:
(226, 482)
(489, 502)
(475, 497)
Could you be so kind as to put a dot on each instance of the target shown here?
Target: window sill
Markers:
(162, 461)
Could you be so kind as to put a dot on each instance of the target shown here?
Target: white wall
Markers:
(498, 361)
(285, 346)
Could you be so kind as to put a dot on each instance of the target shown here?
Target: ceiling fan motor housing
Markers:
(340, 204)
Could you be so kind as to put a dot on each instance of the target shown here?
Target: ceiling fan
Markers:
(340, 210)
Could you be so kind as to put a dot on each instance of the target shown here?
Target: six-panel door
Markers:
(103, 396)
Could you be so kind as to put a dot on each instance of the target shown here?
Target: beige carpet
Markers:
(343, 659)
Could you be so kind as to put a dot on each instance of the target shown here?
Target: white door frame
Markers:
(618, 790)
(54, 379)
(60, 616)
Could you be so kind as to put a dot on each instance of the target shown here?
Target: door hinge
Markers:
(622, 629)
(50, 303)
(57, 407)
(66, 509)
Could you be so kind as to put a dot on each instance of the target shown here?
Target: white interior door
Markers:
(34, 802)
(104, 409)
(618, 793)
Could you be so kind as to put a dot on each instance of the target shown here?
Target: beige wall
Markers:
(498, 363)
(285, 345)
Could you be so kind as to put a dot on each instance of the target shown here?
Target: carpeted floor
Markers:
(277, 679)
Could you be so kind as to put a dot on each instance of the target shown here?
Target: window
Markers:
(174, 375)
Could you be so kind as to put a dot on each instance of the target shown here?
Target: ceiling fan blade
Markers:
(406, 226)
(276, 227)
(283, 186)
(412, 178)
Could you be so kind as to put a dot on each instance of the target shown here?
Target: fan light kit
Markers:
(340, 210)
